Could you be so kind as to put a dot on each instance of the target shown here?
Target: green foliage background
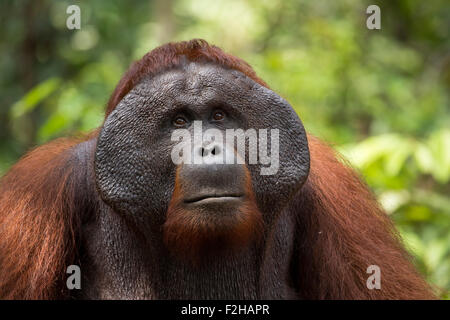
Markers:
(380, 96)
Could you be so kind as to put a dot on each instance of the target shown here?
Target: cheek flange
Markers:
(133, 173)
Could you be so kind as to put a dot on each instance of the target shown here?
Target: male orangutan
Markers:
(143, 226)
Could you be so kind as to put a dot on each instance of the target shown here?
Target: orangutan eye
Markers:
(218, 115)
(179, 121)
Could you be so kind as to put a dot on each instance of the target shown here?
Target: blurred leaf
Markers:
(35, 96)
(439, 144)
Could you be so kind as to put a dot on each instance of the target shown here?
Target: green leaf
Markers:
(34, 96)
(439, 144)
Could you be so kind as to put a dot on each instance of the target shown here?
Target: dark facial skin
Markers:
(134, 171)
(212, 188)
(125, 255)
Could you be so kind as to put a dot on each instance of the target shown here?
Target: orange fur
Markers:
(38, 223)
(344, 232)
(194, 236)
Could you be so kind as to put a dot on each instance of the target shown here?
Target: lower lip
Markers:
(216, 200)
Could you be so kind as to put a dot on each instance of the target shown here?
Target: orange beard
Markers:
(195, 235)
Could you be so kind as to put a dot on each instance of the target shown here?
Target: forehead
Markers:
(197, 83)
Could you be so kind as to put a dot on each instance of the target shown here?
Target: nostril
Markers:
(215, 150)
(209, 151)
